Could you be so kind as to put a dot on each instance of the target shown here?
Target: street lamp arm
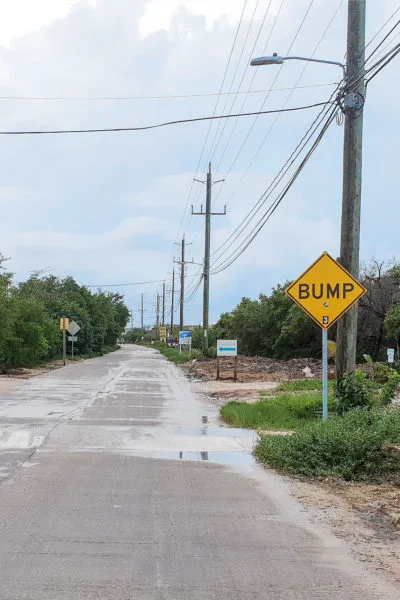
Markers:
(278, 60)
(318, 60)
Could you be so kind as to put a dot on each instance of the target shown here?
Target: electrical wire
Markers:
(209, 127)
(272, 86)
(245, 71)
(250, 216)
(211, 151)
(158, 125)
(124, 284)
(254, 75)
(245, 244)
(267, 194)
(171, 97)
(382, 65)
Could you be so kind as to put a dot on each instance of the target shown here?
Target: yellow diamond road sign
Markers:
(325, 291)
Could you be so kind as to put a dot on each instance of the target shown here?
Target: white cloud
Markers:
(106, 208)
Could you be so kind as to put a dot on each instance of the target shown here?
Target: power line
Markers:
(209, 127)
(284, 105)
(276, 180)
(125, 284)
(273, 83)
(245, 244)
(158, 125)
(238, 89)
(394, 54)
(232, 83)
(171, 97)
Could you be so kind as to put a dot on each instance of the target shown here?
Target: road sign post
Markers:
(325, 291)
(73, 328)
(324, 374)
(64, 324)
(227, 348)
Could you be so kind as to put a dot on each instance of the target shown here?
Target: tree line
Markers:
(273, 326)
(30, 314)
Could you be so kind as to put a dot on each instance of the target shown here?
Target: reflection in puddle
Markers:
(242, 459)
(218, 432)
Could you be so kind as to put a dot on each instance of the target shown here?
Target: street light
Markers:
(278, 60)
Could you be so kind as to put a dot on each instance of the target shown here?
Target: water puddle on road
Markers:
(236, 459)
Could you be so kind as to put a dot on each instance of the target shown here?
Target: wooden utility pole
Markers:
(163, 304)
(182, 295)
(158, 310)
(207, 246)
(352, 168)
(141, 319)
(172, 302)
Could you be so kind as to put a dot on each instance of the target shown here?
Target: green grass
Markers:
(353, 447)
(283, 411)
(304, 385)
(174, 355)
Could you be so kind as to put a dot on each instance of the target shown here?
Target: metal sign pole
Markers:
(72, 351)
(324, 374)
(64, 343)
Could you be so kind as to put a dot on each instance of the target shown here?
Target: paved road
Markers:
(113, 488)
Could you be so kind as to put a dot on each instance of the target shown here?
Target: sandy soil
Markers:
(366, 516)
(225, 391)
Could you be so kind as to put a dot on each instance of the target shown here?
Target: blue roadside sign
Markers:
(185, 337)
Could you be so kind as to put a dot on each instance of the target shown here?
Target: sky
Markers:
(111, 208)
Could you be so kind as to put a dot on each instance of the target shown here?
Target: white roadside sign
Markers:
(73, 328)
(226, 347)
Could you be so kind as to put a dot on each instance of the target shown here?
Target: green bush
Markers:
(351, 447)
(353, 392)
(382, 372)
(388, 390)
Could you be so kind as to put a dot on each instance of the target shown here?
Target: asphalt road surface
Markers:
(114, 488)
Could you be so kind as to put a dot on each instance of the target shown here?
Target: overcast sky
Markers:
(107, 208)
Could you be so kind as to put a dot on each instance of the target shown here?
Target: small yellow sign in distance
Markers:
(64, 323)
(325, 291)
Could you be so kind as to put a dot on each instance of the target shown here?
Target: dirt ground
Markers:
(256, 368)
(366, 516)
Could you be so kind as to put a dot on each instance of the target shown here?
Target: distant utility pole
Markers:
(352, 166)
(163, 304)
(182, 262)
(132, 319)
(172, 301)
(158, 310)
(141, 319)
(207, 245)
